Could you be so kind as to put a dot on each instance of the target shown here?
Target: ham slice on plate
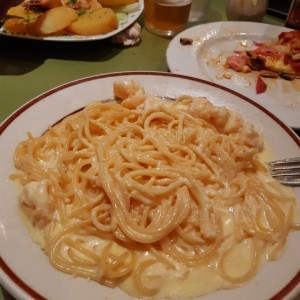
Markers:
(273, 60)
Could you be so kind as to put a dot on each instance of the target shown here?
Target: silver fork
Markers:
(286, 171)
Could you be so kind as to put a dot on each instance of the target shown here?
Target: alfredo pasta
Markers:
(154, 196)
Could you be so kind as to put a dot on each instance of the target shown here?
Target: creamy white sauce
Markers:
(181, 282)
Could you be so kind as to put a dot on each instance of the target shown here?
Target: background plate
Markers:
(205, 58)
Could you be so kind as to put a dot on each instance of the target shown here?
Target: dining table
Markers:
(30, 67)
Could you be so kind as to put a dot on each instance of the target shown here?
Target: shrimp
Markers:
(251, 138)
(130, 92)
(36, 202)
(224, 120)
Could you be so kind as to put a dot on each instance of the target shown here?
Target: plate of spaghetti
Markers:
(146, 185)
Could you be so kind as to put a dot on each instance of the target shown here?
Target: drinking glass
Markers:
(293, 19)
(246, 10)
(166, 17)
(200, 10)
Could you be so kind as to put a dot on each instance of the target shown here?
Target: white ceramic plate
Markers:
(25, 270)
(213, 42)
(125, 20)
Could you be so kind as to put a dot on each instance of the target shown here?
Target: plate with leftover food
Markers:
(260, 61)
(70, 21)
(146, 185)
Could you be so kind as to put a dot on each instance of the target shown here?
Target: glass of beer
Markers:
(166, 17)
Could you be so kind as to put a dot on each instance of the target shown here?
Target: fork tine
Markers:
(286, 160)
(291, 182)
(286, 171)
(285, 167)
(285, 164)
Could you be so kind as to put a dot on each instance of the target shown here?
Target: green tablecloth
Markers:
(28, 68)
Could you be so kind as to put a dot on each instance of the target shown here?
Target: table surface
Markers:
(29, 68)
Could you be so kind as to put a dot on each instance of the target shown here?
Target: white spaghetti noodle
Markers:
(120, 191)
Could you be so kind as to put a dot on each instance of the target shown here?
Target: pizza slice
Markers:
(278, 59)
